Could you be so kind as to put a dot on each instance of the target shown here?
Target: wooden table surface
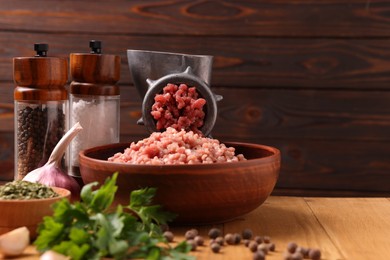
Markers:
(342, 228)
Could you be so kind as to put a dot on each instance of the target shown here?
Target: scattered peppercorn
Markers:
(296, 256)
(260, 245)
(192, 243)
(263, 247)
(237, 238)
(190, 234)
(220, 240)
(291, 247)
(259, 255)
(253, 246)
(287, 256)
(303, 250)
(314, 254)
(214, 233)
(258, 239)
(195, 231)
(199, 240)
(247, 233)
(230, 239)
(271, 247)
(168, 236)
(266, 239)
(215, 247)
(295, 252)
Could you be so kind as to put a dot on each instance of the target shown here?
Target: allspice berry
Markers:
(230, 239)
(247, 233)
(291, 247)
(168, 236)
(220, 240)
(190, 234)
(263, 247)
(271, 247)
(259, 255)
(214, 233)
(266, 239)
(297, 256)
(253, 246)
(258, 239)
(315, 254)
(199, 240)
(237, 238)
(192, 243)
(303, 250)
(287, 256)
(215, 247)
(195, 231)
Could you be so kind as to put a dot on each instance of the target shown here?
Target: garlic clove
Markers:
(52, 255)
(14, 242)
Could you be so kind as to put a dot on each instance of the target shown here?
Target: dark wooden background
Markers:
(311, 78)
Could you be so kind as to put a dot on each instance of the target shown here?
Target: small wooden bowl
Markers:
(197, 193)
(29, 213)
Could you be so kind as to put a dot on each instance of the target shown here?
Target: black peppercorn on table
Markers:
(341, 228)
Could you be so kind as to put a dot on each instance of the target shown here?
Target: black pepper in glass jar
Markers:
(39, 128)
(41, 102)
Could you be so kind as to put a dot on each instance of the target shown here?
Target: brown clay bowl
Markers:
(197, 193)
(28, 213)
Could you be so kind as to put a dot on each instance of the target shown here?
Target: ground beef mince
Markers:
(177, 147)
(178, 107)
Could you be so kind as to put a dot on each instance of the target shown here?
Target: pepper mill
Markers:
(41, 102)
(94, 101)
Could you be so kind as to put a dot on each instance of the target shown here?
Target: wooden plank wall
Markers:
(311, 78)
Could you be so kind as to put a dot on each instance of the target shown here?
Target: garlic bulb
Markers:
(51, 174)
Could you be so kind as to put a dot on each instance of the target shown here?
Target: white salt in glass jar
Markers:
(94, 101)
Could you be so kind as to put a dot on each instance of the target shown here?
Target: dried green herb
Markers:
(25, 190)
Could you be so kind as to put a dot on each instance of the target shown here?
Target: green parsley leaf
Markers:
(118, 248)
(140, 204)
(86, 192)
(92, 228)
(142, 197)
(50, 234)
(101, 199)
(154, 254)
(79, 236)
(69, 248)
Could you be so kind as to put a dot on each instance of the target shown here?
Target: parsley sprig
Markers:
(93, 228)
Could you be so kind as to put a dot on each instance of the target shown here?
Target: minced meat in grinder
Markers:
(152, 71)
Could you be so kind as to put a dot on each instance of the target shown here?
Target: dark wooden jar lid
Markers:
(95, 68)
(40, 77)
(94, 73)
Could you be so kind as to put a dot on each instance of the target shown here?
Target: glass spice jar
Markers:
(94, 101)
(41, 102)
